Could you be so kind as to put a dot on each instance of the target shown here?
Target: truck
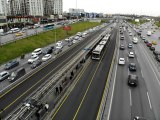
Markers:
(149, 33)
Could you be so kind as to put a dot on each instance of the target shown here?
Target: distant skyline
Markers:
(139, 7)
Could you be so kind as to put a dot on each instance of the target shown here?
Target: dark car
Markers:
(36, 64)
(122, 47)
(11, 65)
(158, 58)
(145, 41)
(17, 74)
(156, 52)
(130, 45)
(122, 38)
(48, 50)
(149, 44)
(132, 67)
(132, 80)
(152, 48)
(139, 118)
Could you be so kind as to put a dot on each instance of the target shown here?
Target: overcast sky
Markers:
(116, 6)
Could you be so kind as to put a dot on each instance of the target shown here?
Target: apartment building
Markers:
(58, 7)
(3, 7)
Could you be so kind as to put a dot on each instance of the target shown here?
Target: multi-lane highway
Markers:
(82, 103)
(143, 100)
(10, 99)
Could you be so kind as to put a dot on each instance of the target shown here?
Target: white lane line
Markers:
(149, 100)
(127, 59)
(130, 97)
(151, 67)
(110, 105)
(142, 74)
(128, 72)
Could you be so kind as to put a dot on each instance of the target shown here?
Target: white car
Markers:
(33, 59)
(131, 55)
(37, 51)
(59, 43)
(76, 37)
(130, 34)
(74, 41)
(135, 40)
(59, 47)
(121, 61)
(46, 57)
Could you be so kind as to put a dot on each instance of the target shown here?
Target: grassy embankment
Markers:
(13, 50)
(157, 23)
(137, 23)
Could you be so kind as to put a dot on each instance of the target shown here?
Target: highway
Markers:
(82, 103)
(129, 102)
(10, 99)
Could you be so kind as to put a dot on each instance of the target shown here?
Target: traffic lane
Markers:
(121, 101)
(36, 79)
(151, 80)
(90, 106)
(67, 110)
(141, 100)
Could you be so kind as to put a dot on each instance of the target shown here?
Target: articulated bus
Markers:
(48, 27)
(97, 52)
(106, 37)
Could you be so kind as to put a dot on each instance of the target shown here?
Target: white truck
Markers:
(149, 33)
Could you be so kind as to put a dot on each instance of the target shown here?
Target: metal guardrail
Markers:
(41, 92)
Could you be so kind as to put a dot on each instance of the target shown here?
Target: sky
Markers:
(139, 7)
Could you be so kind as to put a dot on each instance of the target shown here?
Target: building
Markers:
(75, 11)
(58, 7)
(3, 7)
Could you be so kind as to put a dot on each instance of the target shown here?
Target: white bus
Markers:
(97, 52)
(106, 37)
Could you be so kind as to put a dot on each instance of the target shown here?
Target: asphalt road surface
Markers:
(129, 101)
(82, 103)
(13, 97)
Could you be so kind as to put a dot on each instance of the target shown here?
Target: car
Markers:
(146, 41)
(152, 48)
(59, 43)
(156, 53)
(143, 38)
(157, 58)
(132, 80)
(131, 55)
(122, 38)
(19, 34)
(130, 34)
(33, 59)
(48, 50)
(121, 61)
(37, 51)
(67, 39)
(154, 42)
(122, 47)
(70, 43)
(46, 57)
(4, 75)
(135, 40)
(132, 67)
(74, 41)
(11, 64)
(149, 44)
(36, 64)
(3, 33)
(59, 46)
(139, 118)
(17, 74)
(130, 45)
(76, 37)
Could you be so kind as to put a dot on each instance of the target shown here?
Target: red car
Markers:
(149, 44)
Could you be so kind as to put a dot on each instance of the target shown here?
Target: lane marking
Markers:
(142, 73)
(114, 79)
(149, 101)
(130, 97)
(77, 80)
(128, 72)
(151, 67)
(74, 118)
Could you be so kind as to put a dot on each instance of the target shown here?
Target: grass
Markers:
(157, 23)
(13, 50)
(137, 23)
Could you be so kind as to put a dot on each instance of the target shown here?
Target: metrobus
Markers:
(106, 37)
(97, 52)
(48, 27)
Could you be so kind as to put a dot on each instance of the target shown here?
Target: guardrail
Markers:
(106, 89)
(58, 77)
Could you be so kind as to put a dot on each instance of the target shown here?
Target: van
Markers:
(16, 75)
